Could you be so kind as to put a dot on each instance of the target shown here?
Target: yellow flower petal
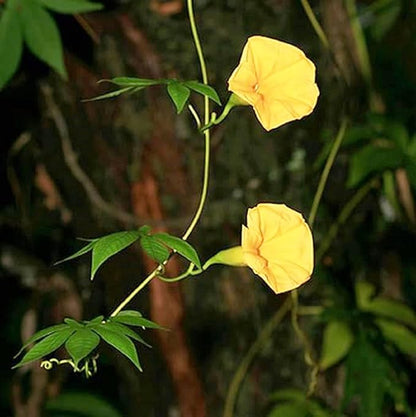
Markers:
(277, 79)
(277, 245)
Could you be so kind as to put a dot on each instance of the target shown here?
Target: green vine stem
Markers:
(324, 176)
(314, 22)
(255, 348)
(207, 138)
(360, 41)
(204, 191)
(152, 275)
(342, 218)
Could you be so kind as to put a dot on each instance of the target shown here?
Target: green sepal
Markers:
(233, 257)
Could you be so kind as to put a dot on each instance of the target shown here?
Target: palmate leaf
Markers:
(392, 309)
(111, 94)
(94, 322)
(399, 335)
(40, 335)
(337, 341)
(364, 293)
(134, 82)
(179, 94)
(71, 6)
(81, 344)
(42, 35)
(109, 245)
(46, 346)
(81, 252)
(134, 318)
(11, 43)
(180, 246)
(74, 324)
(121, 328)
(155, 249)
(121, 342)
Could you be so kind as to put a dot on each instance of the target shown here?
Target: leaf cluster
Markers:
(30, 22)
(366, 340)
(178, 91)
(81, 339)
(158, 246)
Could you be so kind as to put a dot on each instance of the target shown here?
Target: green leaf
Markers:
(337, 341)
(111, 94)
(372, 160)
(134, 82)
(154, 248)
(369, 378)
(203, 89)
(393, 310)
(121, 342)
(73, 323)
(384, 17)
(46, 346)
(292, 395)
(399, 335)
(134, 318)
(40, 335)
(289, 410)
(179, 94)
(127, 317)
(94, 322)
(109, 245)
(71, 6)
(145, 230)
(364, 291)
(11, 44)
(179, 245)
(82, 251)
(42, 35)
(82, 404)
(288, 394)
(81, 344)
(121, 328)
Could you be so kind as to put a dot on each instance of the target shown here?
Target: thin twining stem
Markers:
(204, 191)
(207, 134)
(314, 22)
(255, 348)
(325, 173)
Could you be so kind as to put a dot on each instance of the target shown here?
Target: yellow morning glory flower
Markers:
(277, 79)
